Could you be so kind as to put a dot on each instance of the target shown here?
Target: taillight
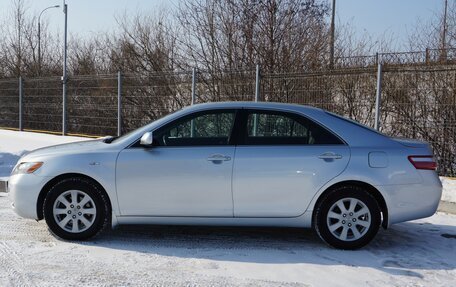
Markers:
(423, 162)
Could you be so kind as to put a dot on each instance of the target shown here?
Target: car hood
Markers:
(74, 147)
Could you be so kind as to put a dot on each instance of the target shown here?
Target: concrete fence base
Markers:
(2, 186)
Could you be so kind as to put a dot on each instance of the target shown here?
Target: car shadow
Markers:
(404, 249)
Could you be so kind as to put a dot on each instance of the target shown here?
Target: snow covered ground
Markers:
(449, 189)
(417, 253)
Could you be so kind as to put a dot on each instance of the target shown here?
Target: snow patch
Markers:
(416, 253)
(14, 144)
(449, 189)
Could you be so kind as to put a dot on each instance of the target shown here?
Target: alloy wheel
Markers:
(348, 219)
(74, 211)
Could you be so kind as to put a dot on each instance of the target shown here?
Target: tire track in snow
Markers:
(12, 267)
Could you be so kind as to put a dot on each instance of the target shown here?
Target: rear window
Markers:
(355, 123)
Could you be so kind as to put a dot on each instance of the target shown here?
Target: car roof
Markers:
(252, 105)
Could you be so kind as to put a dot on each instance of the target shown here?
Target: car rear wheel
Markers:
(76, 209)
(348, 217)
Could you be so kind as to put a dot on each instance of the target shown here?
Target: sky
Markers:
(395, 18)
(374, 17)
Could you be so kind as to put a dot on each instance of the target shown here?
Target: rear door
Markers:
(281, 161)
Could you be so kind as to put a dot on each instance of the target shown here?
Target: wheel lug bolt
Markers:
(80, 213)
(72, 206)
(349, 225)
(343, 221)
(354, 219)
(344, 215)
(351, 213)
(78, 207)
(74, 216)
(69, 211)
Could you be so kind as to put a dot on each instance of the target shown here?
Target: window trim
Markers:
(242, 131)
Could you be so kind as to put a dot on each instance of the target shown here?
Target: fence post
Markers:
(119, 103)
(428, 56)
(193, 86)
(257, 83)
(257, 98)
(20, 103)
(378, 96)
(64, 106)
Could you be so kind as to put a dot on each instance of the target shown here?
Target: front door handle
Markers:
(218, 157)
(329, 155)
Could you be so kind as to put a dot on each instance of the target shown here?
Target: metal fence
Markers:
(416, 101)
(426, 57)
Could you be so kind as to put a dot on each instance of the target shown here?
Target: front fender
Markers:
(98, 166)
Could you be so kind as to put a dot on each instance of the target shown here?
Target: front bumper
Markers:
(24, 190)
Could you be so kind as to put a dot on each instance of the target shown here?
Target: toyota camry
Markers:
(236, 164)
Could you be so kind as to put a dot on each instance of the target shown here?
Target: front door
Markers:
(187, 172)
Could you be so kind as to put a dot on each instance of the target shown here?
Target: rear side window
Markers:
(280, 128)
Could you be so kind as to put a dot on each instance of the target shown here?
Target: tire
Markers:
(76, 209)
(348, 217)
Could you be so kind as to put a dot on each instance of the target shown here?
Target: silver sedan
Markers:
(255, 164)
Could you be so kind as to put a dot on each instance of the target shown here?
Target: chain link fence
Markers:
(149, 97)
(41, 104)
(421, 103)
(346, 92)
(417, 101)
(9, 103)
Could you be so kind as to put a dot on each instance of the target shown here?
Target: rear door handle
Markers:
(218, 157)
(329, 155)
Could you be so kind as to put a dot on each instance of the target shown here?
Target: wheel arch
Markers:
(370, 188)
(46, 188)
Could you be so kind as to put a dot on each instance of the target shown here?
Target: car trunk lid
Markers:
(412, 143)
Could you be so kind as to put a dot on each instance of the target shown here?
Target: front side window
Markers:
(209, 128)
(271, 128)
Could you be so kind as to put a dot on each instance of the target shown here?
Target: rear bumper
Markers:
(24, 190)
(412, 201)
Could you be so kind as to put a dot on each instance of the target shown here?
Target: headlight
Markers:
(27, 167)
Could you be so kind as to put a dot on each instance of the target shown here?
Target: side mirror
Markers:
(147, 139)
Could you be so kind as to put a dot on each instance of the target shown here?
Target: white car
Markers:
(256, 164)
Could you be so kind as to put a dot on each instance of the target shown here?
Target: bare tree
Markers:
(235, 34)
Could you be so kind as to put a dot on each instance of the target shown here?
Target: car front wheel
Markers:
(76, 209)
(347, 218)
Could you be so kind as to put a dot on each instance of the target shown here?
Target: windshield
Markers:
(145, 128)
